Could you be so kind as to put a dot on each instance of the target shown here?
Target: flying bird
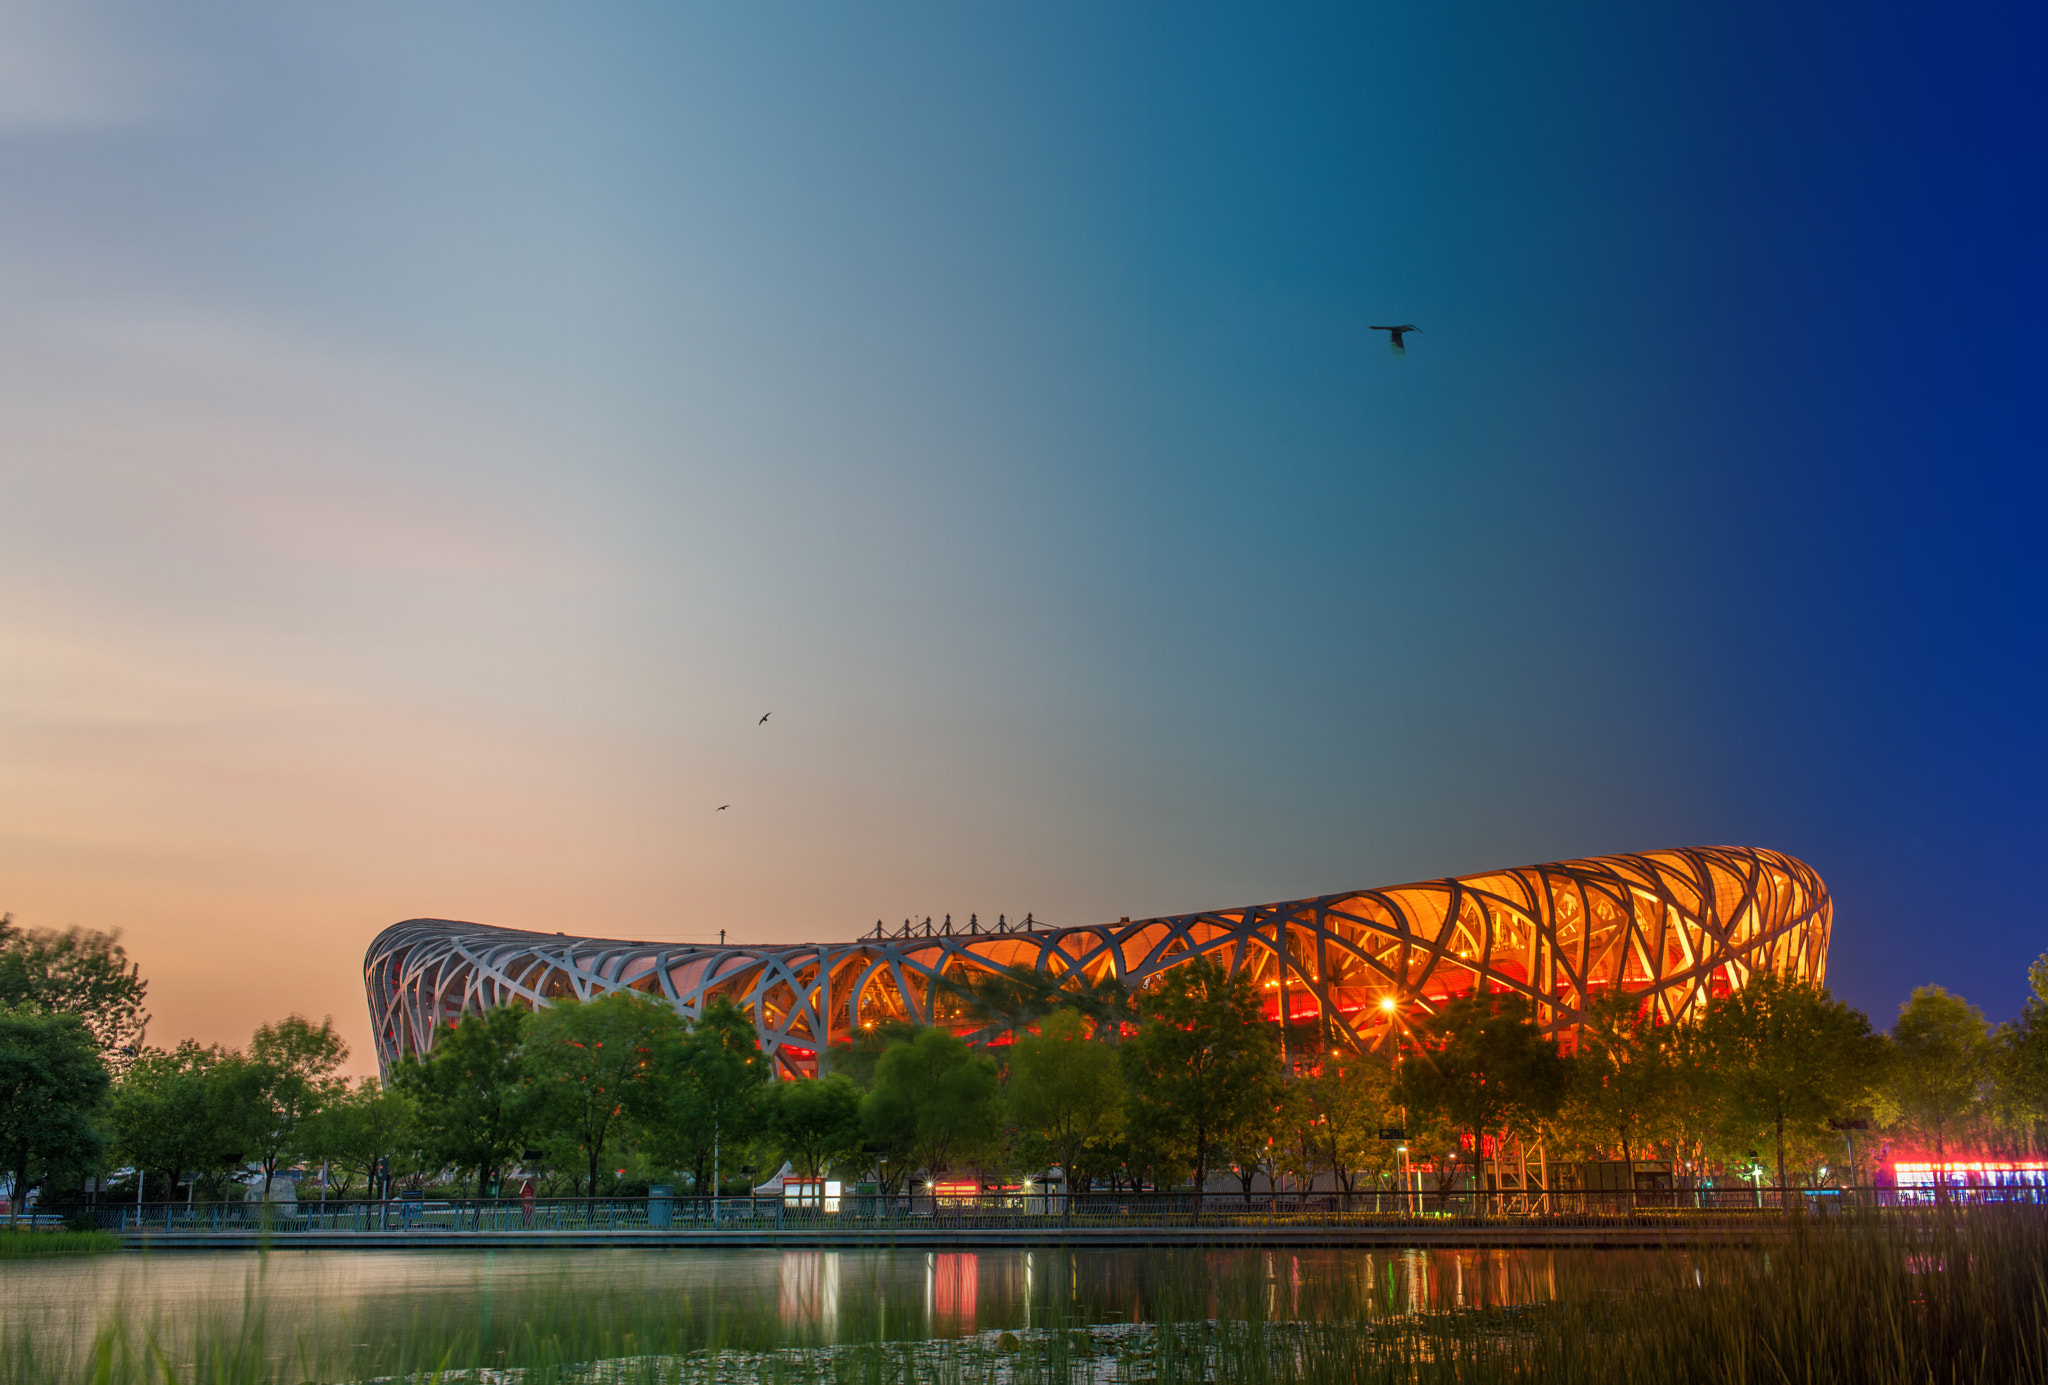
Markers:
(1399, 347)
(721, 807)
(764, 718)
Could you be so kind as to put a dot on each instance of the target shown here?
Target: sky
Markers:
(431, 436)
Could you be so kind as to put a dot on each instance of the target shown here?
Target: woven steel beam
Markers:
(1677, 928)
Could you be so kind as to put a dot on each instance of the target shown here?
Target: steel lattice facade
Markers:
(1676, 927)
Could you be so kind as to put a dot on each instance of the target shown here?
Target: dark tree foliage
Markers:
(1202, 1069)
(184, 1113)
(1486, 1068)
(75, 972)
(291, 1078)
(1790, 1055)
(53, 1095)
(474, 1091)
(1009, 999)
(703, 1098)
(932, 1108)
(814, 1124)
(586, 1057)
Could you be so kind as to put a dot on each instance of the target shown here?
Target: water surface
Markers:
(767, 1297)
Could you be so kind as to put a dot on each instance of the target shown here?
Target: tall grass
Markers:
(21, 1244)
(1963, 1298)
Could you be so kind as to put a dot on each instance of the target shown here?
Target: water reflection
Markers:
(767, 1296)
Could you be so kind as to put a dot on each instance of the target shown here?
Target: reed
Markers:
(1945, 1299)
(21, 1244)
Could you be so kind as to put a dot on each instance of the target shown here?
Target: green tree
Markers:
(1348, 1106)
(357, 1128)
(291, 1064)
(705, 1096)
(1485, 1068)
(1010, 1000)
(2020, 1061)
(1269, 1141)
(585, 1056)
(474, 1093)
(933, 1106)
(53, 1093)
(814, 1124)
(1202, 1069)
(182, 1113)
(1622, 1080)
(1789, 1056)
(75, 972)
(1941, 1065)
(1066, 1093)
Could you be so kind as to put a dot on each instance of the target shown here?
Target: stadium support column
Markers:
(822, 1008)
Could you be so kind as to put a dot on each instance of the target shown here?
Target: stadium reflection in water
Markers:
(762, 1299)
(960, 1293)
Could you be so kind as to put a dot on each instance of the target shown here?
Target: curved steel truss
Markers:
(1676, 927)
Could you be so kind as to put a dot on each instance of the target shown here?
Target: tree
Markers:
(1941, 1065)
(815, 1123)
(358, 1128)
(1066, 1092)
(933, 1106)
(1347, 1109)
(1009, 1000)
(1269, 1141)
(1202, 1067)
(585, 1055)
(53, 1091)
(1788, 1054)
(1485, 1068)
(2020, 1058)
(705, 1094)
(181, 1113)
(1622, 1082)
(1005, 999)
(292, 1065)
(75, 972)
(474, 1092)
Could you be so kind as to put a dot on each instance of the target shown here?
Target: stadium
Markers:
(1676, 927)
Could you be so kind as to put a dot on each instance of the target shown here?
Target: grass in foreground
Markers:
(17, 1244)
(1964, 1299)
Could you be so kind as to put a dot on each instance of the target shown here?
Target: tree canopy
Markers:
(1790, 1056)
(75, 972)
(1202, 1067)
(53, 1091)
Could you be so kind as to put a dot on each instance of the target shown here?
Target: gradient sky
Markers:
(430, 436)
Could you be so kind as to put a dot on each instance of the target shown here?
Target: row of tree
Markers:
(1170, 1086)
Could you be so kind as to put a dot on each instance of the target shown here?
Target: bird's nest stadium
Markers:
(1675, 927)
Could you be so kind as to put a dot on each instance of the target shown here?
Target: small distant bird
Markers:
(1399, 347)
(721, 807)
(764, 718)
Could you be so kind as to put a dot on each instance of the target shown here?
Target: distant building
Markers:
(1676, 927)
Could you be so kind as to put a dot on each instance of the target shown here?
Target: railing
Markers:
(884, 1213)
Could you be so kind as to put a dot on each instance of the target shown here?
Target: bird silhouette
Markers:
(721, 807)
(764, 718)
(1399, 347)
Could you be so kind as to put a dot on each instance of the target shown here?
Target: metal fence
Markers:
(883, 1213)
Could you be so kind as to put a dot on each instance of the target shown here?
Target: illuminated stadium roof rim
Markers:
(1674, 926)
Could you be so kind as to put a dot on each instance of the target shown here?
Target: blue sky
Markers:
(431, 436)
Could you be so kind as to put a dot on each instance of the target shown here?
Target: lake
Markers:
(760, 1298)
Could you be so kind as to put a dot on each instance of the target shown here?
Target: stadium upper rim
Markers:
(1676, 927)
